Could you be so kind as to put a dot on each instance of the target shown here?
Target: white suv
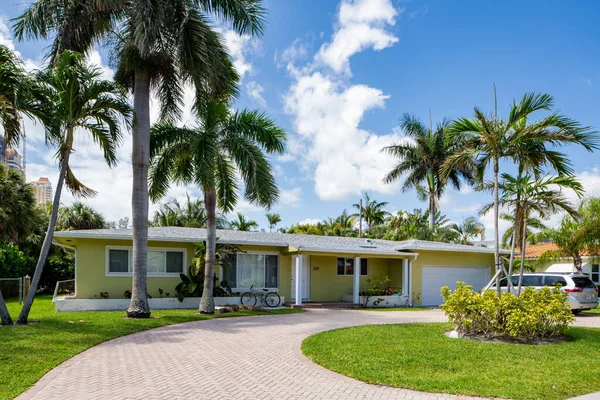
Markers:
(583, 293)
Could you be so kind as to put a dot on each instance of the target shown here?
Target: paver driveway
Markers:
(230, 358)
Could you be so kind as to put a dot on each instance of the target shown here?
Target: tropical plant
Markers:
(530, 237)
(273, 219)
(81, 102)
(343, 225)
(243, 224)
(372, 211)
(191, 214)
(468, 230)
(305, 229)
(161, 45)
(575, 236)
(422, 158)
(19, 95)
(489, 139)
(19, 216)
(79, 216)
(542, 197)
(208, 156)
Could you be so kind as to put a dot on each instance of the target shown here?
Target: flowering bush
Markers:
(533, 316)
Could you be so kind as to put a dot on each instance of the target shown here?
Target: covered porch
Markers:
(337, 280)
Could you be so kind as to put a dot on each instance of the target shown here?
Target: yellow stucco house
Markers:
(302, 268)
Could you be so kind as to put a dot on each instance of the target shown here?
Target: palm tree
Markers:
(208, 156)
(372, 211)
(489, 139)
(468, 230)
(19, 94)
(81, 102)
(575, 236)
(530, 237)
(192, 214)
(422, 158)
(163, 44)
(79, 216)
(543, 197)
(18, 215)
(273, 219)
(243, 224)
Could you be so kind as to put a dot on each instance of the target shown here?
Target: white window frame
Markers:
(264, 253)
(150, 274)
(354, 259)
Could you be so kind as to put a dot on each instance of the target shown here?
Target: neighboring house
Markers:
(328, 267)
(590, 264)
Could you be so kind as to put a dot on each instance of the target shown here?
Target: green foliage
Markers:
(378, 286)
(533, 316)
(191, 214)
(242, 223)
(79, 216)
(13, 262)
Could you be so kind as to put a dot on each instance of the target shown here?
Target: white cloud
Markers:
(290, 197)
(346, 159)
(297, 51)
(240, 47)
(255, 91)
(362, 24)
(287, 157)
(310, 221)
(5, 35)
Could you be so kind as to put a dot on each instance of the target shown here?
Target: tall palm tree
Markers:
(161, 44)
(18, 215)
(487, 139)
(542, 197)
(422, 158)
(19, 94)
(373, 211)
(81, 102)
(468, 230)
(273, 219)
(208, 156)
(79, 216)
(243, 224)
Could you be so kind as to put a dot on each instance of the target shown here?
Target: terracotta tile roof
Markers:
(536, 250)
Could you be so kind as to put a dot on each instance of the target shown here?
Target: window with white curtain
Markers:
(259, 270)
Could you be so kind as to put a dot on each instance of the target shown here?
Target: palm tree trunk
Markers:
(496, 234)
(431, 212)
(207, 303)
(513, 245)
(523, 245)
(138, 308)
(39, 268)
(577, 264)
(5, 318)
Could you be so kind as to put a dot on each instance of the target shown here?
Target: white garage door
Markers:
(434, 278)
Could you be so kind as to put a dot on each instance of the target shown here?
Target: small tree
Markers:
(242, 223)
(273, 219)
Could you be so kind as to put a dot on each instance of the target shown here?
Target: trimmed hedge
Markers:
(533, 316)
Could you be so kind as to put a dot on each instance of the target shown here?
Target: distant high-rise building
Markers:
(15, 161)
(42, 189)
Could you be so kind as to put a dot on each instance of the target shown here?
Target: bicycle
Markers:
(269, 299)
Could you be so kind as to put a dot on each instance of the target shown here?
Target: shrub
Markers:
(533, 316)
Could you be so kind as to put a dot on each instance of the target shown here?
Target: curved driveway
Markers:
(226, 358)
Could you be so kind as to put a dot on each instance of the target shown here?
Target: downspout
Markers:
(74, 252)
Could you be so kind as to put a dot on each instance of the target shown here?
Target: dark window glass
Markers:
(349, 266)
(596, 273)
(364, 270)
(229, 265)
(555, 280)
(271, 271)
(174, 262)
(340, 266)
(118, 261)
(532, 280)
(503, 282)
(584, 283)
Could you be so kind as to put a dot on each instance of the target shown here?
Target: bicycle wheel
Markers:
(272, 299)
(248, 299)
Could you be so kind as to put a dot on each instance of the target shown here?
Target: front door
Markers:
(305, 277)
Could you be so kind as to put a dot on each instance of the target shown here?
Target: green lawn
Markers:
(28, 352)
(594, 311)
(420, 357)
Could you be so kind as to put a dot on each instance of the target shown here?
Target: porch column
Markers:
(410, 279)
(355, 295)
(405, 277)
(298, 288)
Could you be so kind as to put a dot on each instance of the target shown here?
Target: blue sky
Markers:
(337, 75)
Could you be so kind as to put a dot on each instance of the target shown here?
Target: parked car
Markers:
(583, 292)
